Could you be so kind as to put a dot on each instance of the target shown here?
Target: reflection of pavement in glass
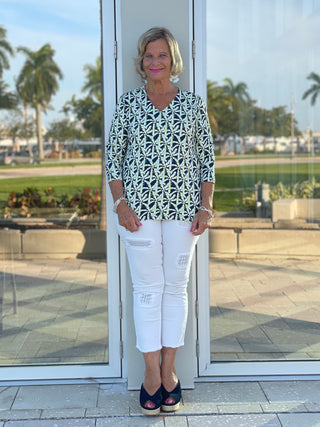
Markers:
(265, 309)
(61, 312)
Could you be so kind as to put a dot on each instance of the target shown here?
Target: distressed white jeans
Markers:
(159, 256)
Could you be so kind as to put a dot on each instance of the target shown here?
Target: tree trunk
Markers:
(223, 147)
(26, 127)
(39, 131)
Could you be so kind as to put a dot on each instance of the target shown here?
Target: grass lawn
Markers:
(61, 184)
(230, 181)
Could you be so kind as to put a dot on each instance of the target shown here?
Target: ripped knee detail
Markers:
(139, 242)
(182, 260)
(145, 299)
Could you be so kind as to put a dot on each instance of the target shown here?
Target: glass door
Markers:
(59, 289)
(263, 77)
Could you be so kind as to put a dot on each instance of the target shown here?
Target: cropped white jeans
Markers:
(159, 256)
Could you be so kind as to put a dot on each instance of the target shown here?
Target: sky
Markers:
(72, 27)
(271, 45)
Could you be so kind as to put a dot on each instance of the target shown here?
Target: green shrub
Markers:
(303, 190)
(93, 155)
(85, 202)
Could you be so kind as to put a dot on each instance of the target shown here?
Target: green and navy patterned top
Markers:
(162, 156)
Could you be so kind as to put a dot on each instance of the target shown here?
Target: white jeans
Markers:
(159, 256)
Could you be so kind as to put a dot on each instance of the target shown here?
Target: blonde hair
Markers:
(152, 35)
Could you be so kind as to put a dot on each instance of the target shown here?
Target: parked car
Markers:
(14, 158)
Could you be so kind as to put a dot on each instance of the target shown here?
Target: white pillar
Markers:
(132, 18)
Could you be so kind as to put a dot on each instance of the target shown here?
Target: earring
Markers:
(174, 79)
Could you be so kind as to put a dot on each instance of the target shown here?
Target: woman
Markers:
(160, 168)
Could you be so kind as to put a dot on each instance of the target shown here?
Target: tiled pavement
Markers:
(260, 309)
(265, 308)
(65, 301)
(235, 404)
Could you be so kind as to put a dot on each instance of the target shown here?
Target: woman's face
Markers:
(157, 60)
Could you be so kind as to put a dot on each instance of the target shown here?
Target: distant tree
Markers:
(64, 130)
(93, 82)
(19, 128)
(314, 90)
(223, 118)
(5, 50)
(38, 82)
(93, 85)
(88, 112)
(8, 100)
(239, 92)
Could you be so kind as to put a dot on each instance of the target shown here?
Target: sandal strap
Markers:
(156, 398)
(174, 394)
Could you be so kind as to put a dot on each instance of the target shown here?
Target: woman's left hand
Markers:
(200, 223)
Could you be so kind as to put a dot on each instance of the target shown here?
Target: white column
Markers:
(132, 18)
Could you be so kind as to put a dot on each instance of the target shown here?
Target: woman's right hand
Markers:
(127, 217)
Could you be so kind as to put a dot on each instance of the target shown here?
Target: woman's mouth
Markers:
(155, 70)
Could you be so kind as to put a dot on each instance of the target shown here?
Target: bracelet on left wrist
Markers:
(116, 203)
(203, 208)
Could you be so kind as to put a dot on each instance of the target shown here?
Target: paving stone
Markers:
(116, 401)
(241, 408)
(63, 413)
(198, 408)
(300, 420)
(51, 423)
(20, 414)
(264, 420)
(229, 392)
(283, 407)
(175, 421)
(313, 407)
(292, 391)
(47, 397)
(7, 396)
(131, 422)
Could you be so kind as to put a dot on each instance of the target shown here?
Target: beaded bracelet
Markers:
(203, 208)
(117, 202)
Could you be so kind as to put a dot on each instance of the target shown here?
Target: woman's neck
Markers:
(160, 87)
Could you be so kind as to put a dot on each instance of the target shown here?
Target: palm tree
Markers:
(314, 90)
(239, 98)
(38, 82)
(221, 112)
(93, 82)
(239, 91)
(93, 85)
(8, 100)
(5, 49)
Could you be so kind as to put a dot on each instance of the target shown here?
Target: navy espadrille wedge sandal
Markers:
(155, 399)
(175, 395)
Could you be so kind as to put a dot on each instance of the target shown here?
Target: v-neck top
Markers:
(162, 156)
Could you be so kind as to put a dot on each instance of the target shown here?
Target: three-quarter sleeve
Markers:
(205, 145)
(116, 144)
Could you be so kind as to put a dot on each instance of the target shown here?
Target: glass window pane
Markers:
(264, 106)
(53, 270)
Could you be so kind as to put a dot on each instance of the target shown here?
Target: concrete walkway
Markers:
(235, 404)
